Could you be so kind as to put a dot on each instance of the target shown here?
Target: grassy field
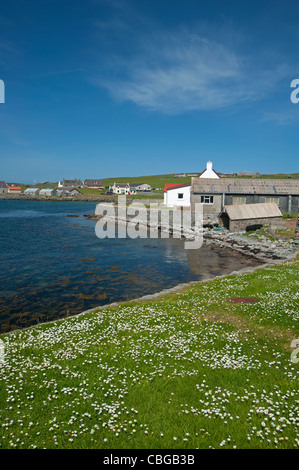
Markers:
(187, 370)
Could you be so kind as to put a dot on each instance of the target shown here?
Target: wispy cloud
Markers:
(185, 71)
(281, 118)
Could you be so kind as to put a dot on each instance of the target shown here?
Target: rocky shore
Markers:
(263, 248)
(83, 198)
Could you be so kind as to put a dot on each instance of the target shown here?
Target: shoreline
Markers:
(162, 293)
(83, 198)
(265, 253)
(159, 294)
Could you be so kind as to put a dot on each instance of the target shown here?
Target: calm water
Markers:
(53, 265)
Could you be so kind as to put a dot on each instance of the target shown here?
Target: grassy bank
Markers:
(187, 370)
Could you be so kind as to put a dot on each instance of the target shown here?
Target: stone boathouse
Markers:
(250, 216)
(217, 194)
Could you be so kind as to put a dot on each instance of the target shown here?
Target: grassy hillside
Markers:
(156, 181)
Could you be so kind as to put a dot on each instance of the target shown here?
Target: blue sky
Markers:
(107, 88)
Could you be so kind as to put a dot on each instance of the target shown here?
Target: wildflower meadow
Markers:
(188, 370)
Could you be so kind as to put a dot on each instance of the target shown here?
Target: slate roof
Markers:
(245, 186)
(93, 182)
(46, 191)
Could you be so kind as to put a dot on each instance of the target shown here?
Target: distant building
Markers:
(14, 189)
(248, 173)
(180, 175)
(62, 192)
(227, 175)
(120, 188)
(47, 192)
(70, 183)
(3, 187)
(93, 184)
(177, 195)
(69, 191)
(32, 191)
(127, 188)
(140, 187)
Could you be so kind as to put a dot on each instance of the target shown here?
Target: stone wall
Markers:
(289, 204)
(209, 210)
(240, 225)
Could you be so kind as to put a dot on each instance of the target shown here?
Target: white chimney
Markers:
(209, 165)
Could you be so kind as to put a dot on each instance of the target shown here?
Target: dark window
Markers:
(207, 199)
(180, 196)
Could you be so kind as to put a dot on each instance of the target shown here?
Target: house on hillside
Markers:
(3, 187)
(120, 188)
(70, 183)
(215, 194)
(250, 216)
(137, 187)
(69, 191)
(93, 184)
(177, 195)
(14, 189)
(62, 192)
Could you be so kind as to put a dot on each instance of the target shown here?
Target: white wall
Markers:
(171, 198)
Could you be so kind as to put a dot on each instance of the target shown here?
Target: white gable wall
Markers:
(209, 172)
(172, 198)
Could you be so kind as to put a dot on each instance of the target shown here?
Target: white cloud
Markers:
(282, 118)
(183, 72)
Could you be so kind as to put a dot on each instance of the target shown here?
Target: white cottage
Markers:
(120, 188)
(177, 195)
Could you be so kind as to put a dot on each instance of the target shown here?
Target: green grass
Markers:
(281, 176)
(91, 191)
(286, 232)
(263, 233)
(187, 370)
(286, 215)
